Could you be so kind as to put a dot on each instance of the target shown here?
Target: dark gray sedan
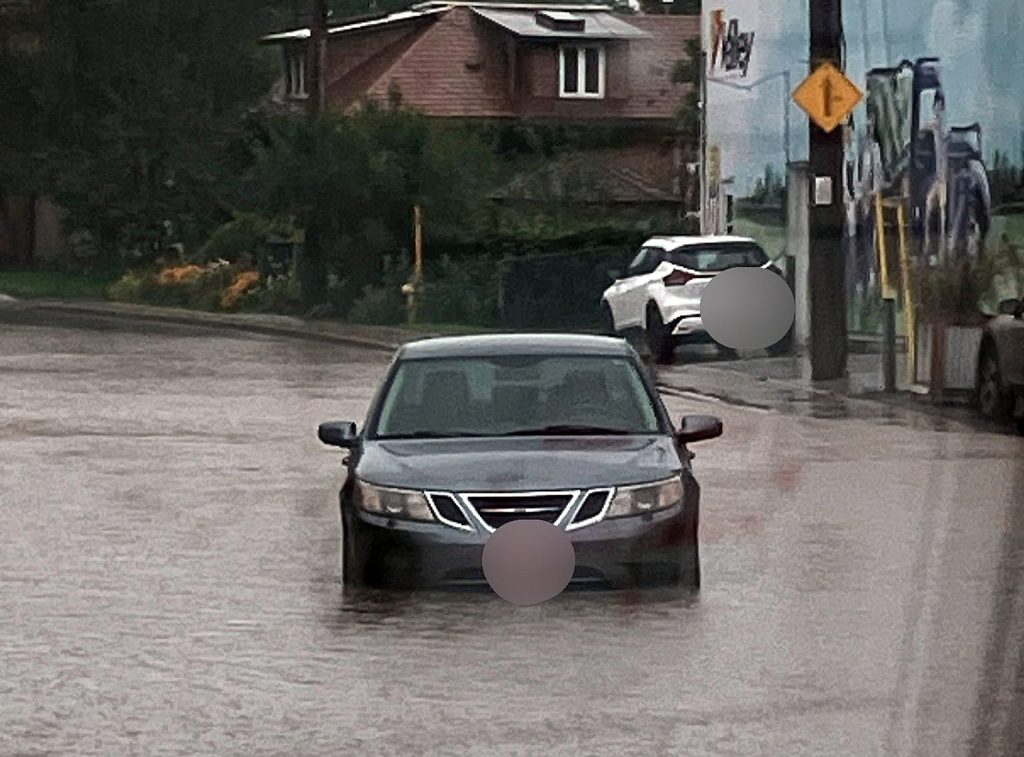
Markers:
(469, 433)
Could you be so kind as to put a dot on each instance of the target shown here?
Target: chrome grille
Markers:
(495, 510)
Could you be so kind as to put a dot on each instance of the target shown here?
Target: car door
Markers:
(627, 297)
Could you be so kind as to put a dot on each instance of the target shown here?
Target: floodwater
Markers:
(169, 580)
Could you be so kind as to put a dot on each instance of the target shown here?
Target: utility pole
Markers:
(826, 265)
(317, 59)
(312, 266)
(703, 141)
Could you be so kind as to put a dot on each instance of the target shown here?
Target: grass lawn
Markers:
(48, 285)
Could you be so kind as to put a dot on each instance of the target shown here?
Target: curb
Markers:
(189, 318)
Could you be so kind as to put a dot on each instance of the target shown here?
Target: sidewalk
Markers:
(774, 378)
(783, 384)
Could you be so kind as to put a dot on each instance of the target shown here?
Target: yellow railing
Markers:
(888, 291)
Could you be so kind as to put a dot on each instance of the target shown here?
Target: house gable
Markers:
(473, 61)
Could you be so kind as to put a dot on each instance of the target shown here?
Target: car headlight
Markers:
(405, 504)
(645, 498)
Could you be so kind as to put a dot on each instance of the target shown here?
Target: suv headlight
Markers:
(405, 504)
(645, 498)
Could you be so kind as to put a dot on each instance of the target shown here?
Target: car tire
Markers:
(727, 353)
(684, 575)
(993, 400)
(781, 347)
(690, 577)
(659, 341)
(353, 568)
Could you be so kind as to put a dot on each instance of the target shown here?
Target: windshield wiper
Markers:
(568, 429)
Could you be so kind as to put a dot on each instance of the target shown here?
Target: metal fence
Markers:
(559, 290)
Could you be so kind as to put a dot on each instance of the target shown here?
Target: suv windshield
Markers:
(521, 395)
(719, 257)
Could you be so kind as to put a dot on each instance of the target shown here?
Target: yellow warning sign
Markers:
(827, 96)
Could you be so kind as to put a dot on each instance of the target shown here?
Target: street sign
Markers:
(730, 48)
(827, 96)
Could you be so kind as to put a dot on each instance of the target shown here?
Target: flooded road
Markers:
(169, 580)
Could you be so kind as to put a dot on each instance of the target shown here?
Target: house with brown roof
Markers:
(577, 64)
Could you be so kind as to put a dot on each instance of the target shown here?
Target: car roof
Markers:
(676, 242)
(499, 345)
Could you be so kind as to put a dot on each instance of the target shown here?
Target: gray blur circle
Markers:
(747, 308)
(527, 562)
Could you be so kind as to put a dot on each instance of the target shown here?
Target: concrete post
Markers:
(798, 202)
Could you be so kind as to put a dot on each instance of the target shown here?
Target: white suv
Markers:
(659, 293)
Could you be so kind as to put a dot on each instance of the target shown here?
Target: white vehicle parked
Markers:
(659, 292)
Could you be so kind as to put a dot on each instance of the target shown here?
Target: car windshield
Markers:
(721, 257)
(520, 395)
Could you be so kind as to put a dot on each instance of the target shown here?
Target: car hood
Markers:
(518, 464)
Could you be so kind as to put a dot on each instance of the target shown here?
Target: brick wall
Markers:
(457, 68)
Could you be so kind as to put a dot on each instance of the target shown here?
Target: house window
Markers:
(295, 72)
(581, 71)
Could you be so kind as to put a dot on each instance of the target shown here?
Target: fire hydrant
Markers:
(409, 290)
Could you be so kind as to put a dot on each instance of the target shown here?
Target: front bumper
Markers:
(686, 327)
(608, 553)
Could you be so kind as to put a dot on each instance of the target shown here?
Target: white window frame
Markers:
(295, 72)
(581, 71)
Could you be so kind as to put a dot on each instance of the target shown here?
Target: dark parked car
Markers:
(1000, 378)
(469, 433)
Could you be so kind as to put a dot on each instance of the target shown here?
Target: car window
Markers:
(645, 262)
(707, 258)
(515, 395)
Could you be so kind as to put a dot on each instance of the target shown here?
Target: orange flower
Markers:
(245, 281)
(179, 274)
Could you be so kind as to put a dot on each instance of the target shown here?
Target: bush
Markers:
(243, 235)
(952, 290)
(181, 286)
(277, 294)
(379, 305)
(461, 292)
(204, 292)
(128, 288)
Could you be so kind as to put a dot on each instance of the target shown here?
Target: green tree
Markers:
(127, 113)
(353, 182)
(687, 72)
(769, 188)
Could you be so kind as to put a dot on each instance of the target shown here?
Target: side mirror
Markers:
(338, 434)
(1010, 307)
(699, 428)
(614, 274)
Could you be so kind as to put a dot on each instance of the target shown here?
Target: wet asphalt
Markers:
(169, 579)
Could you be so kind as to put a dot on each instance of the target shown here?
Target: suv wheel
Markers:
(726, 353)
(783, 346)
(993, 400)
(659, 341)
